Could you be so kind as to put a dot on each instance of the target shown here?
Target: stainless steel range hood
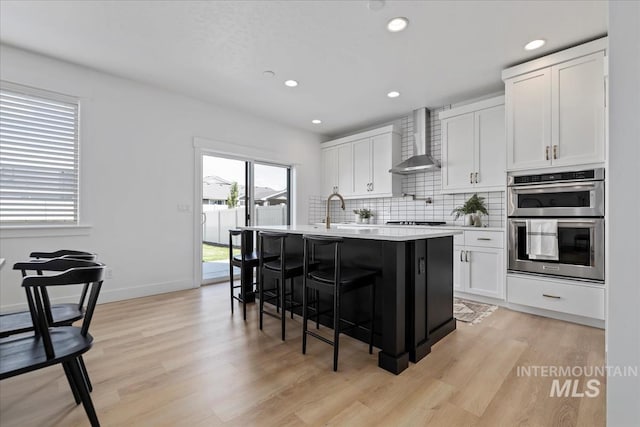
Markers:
(421, 160)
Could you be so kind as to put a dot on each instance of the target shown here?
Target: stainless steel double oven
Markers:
(576, 200)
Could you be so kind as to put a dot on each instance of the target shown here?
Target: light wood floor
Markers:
(181, 359)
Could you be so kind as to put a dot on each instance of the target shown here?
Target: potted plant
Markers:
(363, 215)
(471, 210)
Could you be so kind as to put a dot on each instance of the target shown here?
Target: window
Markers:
(38, 157)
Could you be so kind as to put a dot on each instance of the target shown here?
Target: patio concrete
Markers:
(217, 271)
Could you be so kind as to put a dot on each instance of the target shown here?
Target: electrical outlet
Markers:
(108, 273)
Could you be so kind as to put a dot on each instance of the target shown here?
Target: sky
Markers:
(233, 170)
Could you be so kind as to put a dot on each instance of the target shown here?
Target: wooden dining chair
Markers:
(59, 314)
(48, 345)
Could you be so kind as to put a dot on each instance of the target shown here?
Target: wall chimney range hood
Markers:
(421, 160)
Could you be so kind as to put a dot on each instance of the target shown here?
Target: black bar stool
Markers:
(246, 260)
(283, 268)
(337, 281)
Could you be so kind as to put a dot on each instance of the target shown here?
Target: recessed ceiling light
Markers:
(316, 121)
(534, 44)
(397, 24)
(393, 94)
(291, 83)
(375, 4)
(268, 73)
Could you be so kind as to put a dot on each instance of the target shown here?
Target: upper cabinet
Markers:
(555, 109)
(358, 166)
(337, 170)
(473, 147)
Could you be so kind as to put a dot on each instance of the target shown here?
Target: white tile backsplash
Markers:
(426, 184)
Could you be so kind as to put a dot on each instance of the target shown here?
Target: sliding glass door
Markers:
(224, 206)
(237, 192)
(271, 198)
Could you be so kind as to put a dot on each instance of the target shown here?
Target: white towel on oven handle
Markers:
(542, 239)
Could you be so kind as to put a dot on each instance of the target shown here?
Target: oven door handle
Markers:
(544, 187)
(577, 222)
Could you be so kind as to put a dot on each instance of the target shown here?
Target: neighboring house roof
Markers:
(216, 188)
(275, 195)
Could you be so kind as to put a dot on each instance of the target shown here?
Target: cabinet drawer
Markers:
(566, 298)
(486, 239)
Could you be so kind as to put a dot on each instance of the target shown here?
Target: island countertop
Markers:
(358, 232)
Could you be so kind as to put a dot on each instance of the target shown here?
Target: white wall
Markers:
(623, 325)
(137, 151)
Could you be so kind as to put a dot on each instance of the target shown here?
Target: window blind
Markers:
(38, 158)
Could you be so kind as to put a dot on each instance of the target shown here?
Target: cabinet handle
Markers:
(550, 296)
(476, 177)
(484, 238)
(466, 256)
(371, 186)
(546, 153)
(555, 152)
(471, 178)
(461, 260)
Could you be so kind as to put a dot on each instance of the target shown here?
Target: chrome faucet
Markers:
(328, 219)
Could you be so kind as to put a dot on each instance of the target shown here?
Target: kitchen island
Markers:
(414, 285)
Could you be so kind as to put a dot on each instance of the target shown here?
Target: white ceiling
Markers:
(339, 51)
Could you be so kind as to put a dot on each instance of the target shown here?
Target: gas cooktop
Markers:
(416, 222)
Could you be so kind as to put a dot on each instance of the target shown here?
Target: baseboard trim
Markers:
(111, 295)
(581, 320)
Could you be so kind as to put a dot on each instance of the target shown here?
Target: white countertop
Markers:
(357, 231)
(428, 227)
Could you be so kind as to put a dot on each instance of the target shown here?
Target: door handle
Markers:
(550, 296)
(555, 152)
(546, 152)
(466, 256)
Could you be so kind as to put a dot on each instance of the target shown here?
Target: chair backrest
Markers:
(55, 264)
(234, 232)
(65, 253)
(35, 287)
(271, 236)
(310, 243)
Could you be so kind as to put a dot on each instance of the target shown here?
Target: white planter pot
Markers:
(477, 220)
(468, 220)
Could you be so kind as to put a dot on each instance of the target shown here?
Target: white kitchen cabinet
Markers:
(459, 269)
(337, 170)
(361, 166)
(555, 109)
(577, 111)
(473, 147)
(457, 152)
(580, 299)
(478, 266)
(365, 164)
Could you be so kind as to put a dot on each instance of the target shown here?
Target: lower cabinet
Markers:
(580, 299)
(478, 265)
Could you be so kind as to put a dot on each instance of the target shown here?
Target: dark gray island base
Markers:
(414, 289)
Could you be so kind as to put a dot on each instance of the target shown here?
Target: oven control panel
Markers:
(585, 175)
